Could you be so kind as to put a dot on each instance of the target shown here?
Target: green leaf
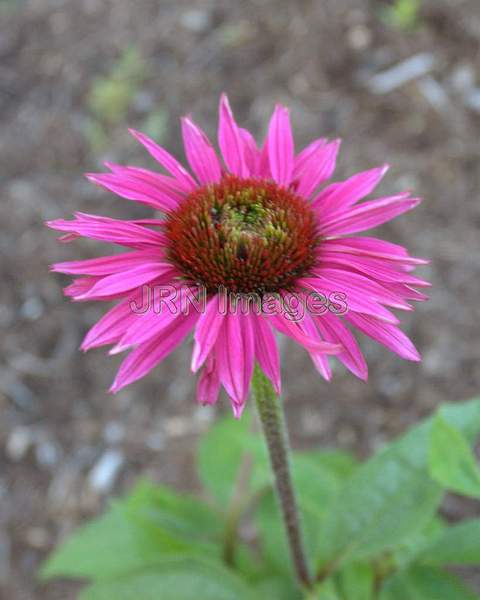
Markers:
(456, 545)
(340, 464)
(386, 500)
(451, 460)
(425, 583)
(103, 548)
(411, 547)
(277, 588)
(182, 515)
(324, 591)
(356, 582)
(390, 497)
(138, 531)
(177, 579)
(221, 453)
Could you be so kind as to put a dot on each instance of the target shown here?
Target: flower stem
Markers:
(272, 419)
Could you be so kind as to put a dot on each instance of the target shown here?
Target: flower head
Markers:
(267, 243)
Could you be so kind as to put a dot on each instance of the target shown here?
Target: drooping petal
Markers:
(231, 140)
(333, 330)
(266, 351)
(280, 146)
(292, 329)
(235, 357)
(319, 359)
(171, 164)
(206, 333)
(147, 356)
(340, 196)
(316, 168)
(200, 153)
(386, 334)
(208, 385)
(366, 216)
(113, 325)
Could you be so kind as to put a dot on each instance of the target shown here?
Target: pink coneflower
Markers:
(258, 224)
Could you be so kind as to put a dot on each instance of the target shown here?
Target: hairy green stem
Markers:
(272, 419)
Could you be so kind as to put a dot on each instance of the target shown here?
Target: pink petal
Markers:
(135, 189)
(231, 140)
(303, 157)
(343, 279)
(316, 168)
(266, 351)
(147, 356)
(294, 331)
(79, 286)
(319, 359)
(106, 265)
(251, 153)
(280, 146)
(356, 300)
(206, 333)
(340, 196)
(167, 184)
(208, 385)
(367, 215)
(374, 248)
(104, 229)
(112, 325)
(235, 357)
(200, 153)
(167, 161)
(118, 283)
(376, 269)
(385, 334)
(333, 330)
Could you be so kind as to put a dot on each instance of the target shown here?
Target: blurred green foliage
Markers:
(402, 14)
(111, 95)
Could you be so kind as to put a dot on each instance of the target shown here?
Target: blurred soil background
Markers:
(73, 76)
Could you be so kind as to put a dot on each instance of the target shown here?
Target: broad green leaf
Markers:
(136, 532)
(451, 460)
(276, 588)
(391, 496)
(411, 547)
(220, 455)
(101, 549)
(456, 545)
(182, 515)
(425, 583)
(385, 501)
(179, 579)
(326, 590)
(356, 582)
(341, 464)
